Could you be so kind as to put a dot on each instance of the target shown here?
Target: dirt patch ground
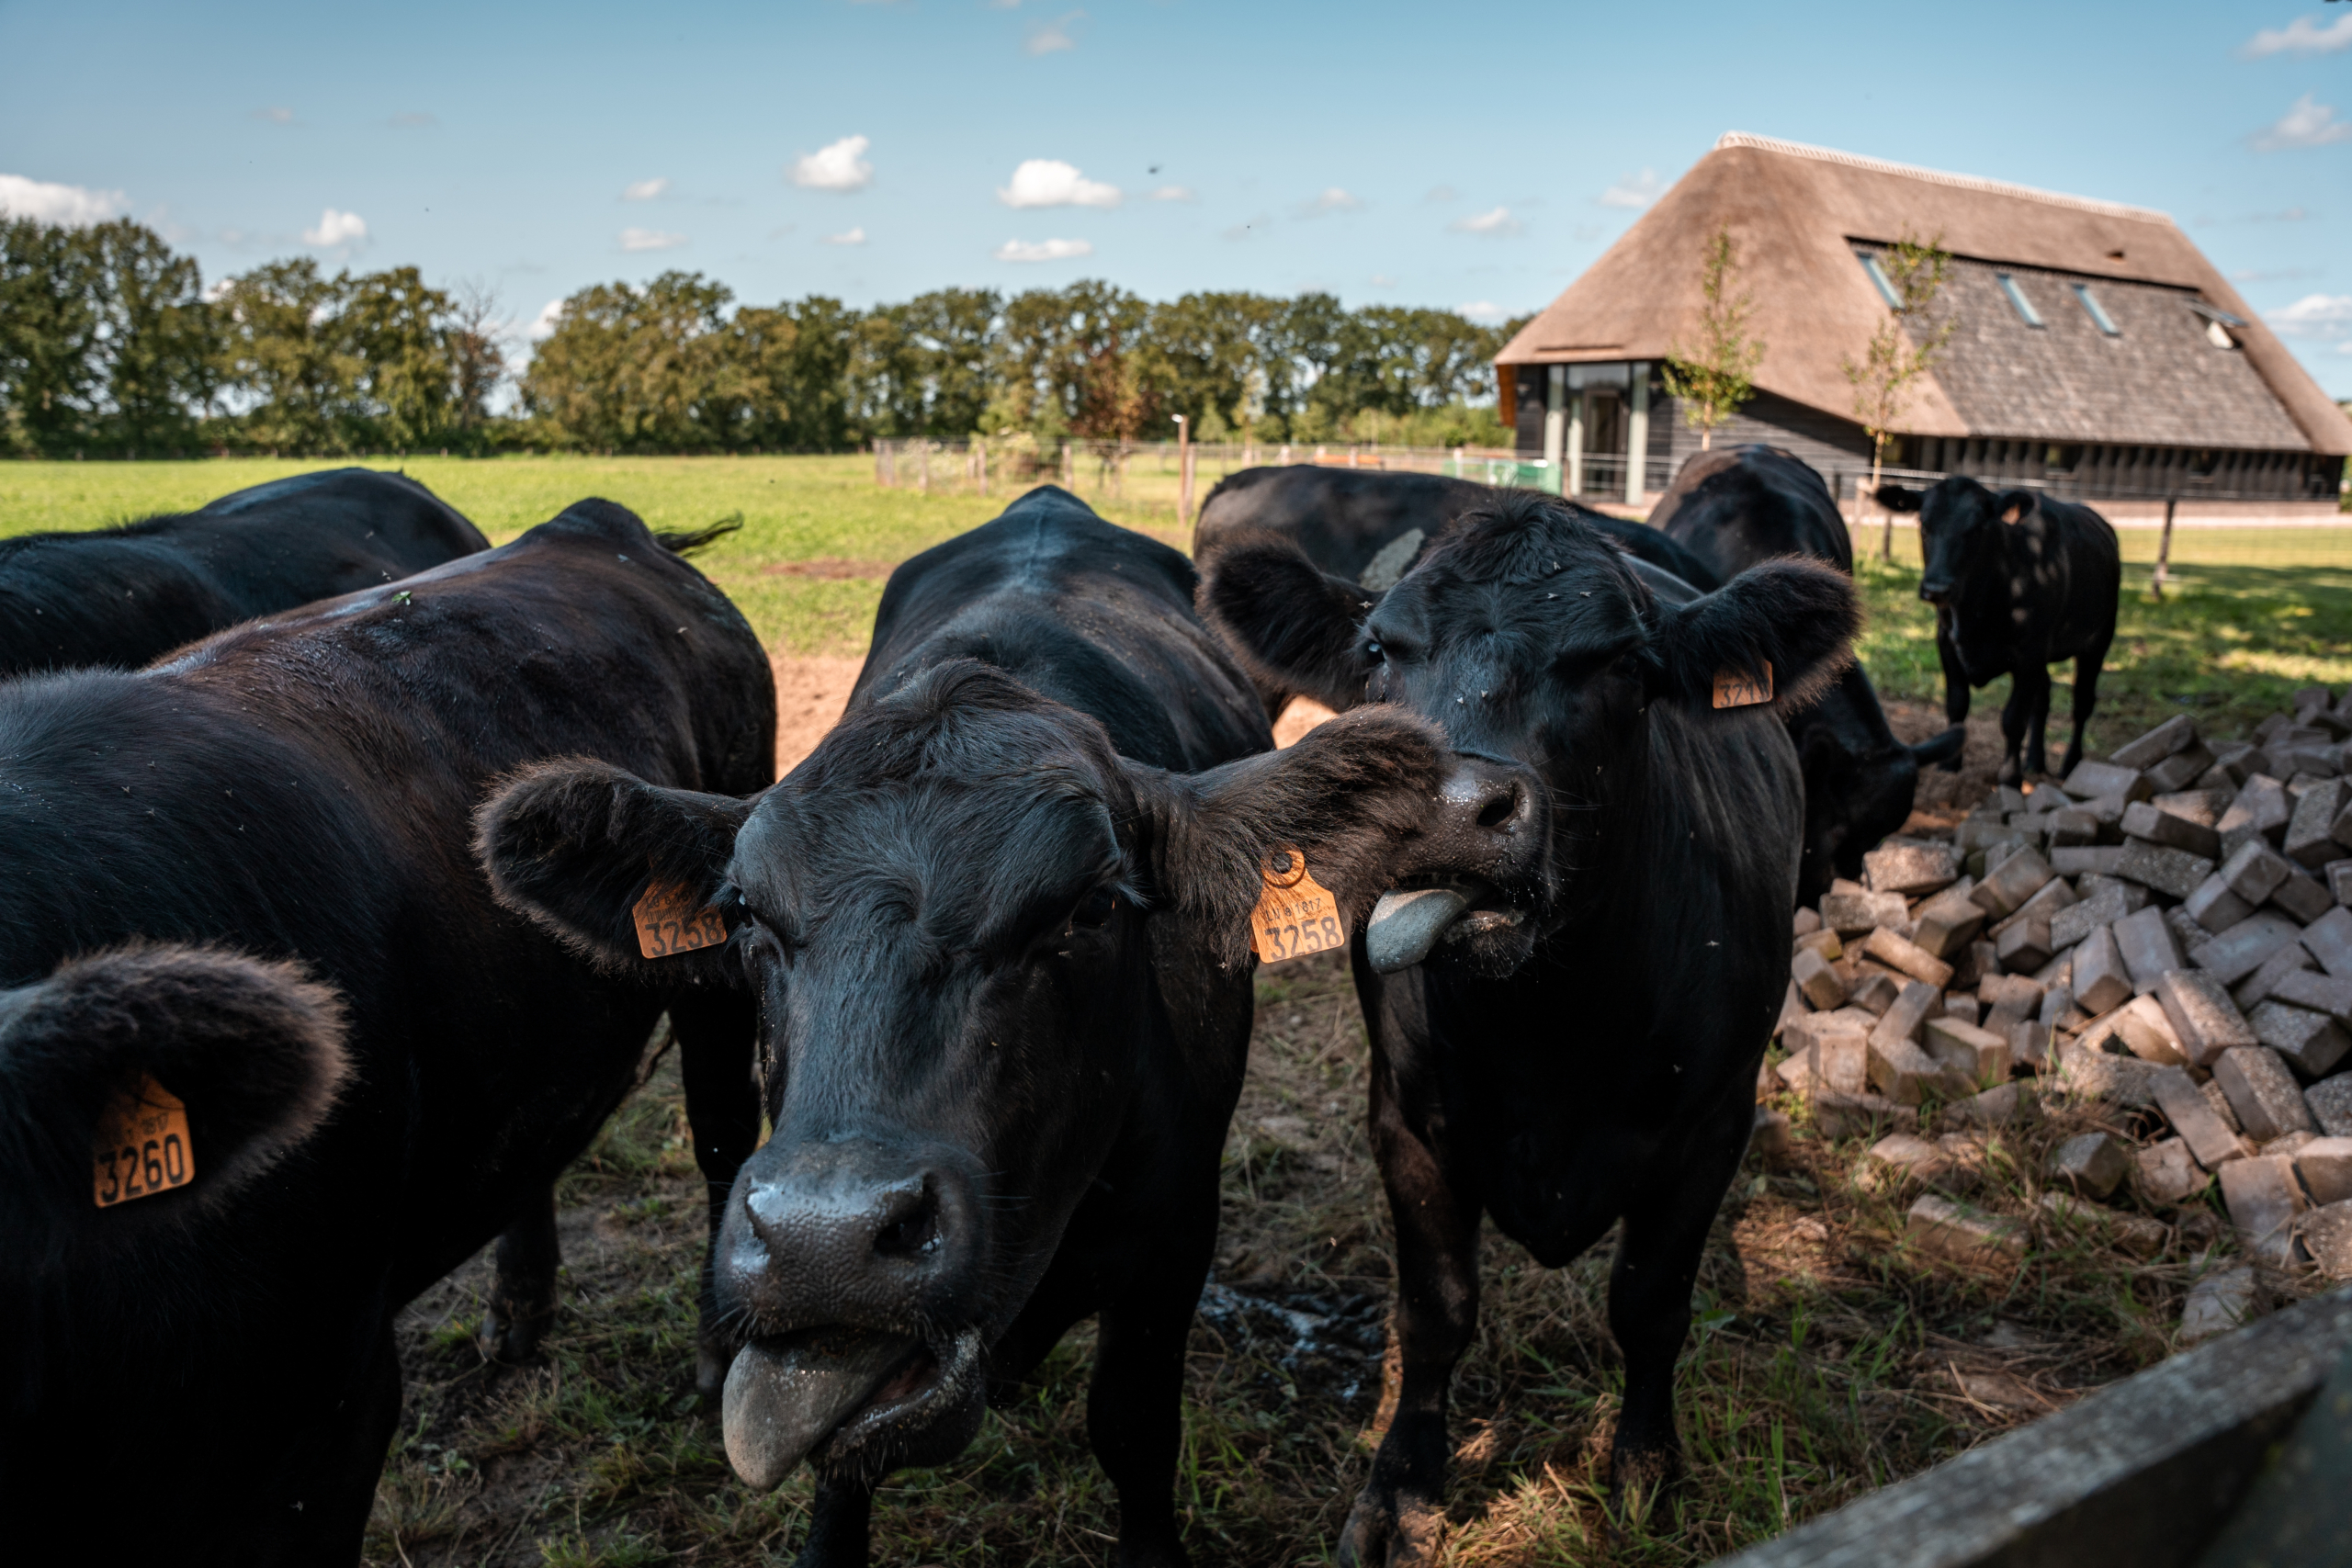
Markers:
(809, 696)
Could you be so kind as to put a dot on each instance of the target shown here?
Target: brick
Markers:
(2148, 1034)
(2329, 940)
(2124, 1081)
(2327, 1236)
(2258, 986)
(2144, 821)
(1945, 923)
(2233, 760)
(2240, 951)
(2292, 1143)
(2024, 947)
(1906, 1156)
(2204, 1020)
(2320, 993)
(1962, 1005)
(1983, 832)
(2219, 1103)
(1903, 1072)
(2330, 1103)
(2077, 920)
(1972, 1056)
(1805, 924)
(1968, 1237)
(1913, 1005)
(2253, 869)
(2262, 1091)
(2260, 811)
(2302, 898)
(2095, 860)
(2012, 999)
(2054, 895)
(2002, 1105)
(2090, 780)
(2164, 1173)
(2092, 1163)
(2019, 878)
(2202, 806)
(2100, 980)
(2337, 874)
(2031, 1043)
(2324, 1167)
(1840, 1064)
(1851, 914)
(1818, 979)
(2314, 763)
(2179, 771)
(2214, 908)
(2149, 951)
(2007, 799)
(2069, 829)
(2308, 842)
(1840, 1116)
(1822, 940)
(2174, 733)
(2137, 1235)
(1876, 993)
(2175, 872)
(2265, 1200)
(1912, 866)
(2211, 1141)
(2311, 1042)
(2227, 1299)
(1900, 953)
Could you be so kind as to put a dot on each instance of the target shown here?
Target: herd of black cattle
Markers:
(356, 861)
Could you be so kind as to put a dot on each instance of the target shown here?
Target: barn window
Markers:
(2097, 313)
(2017, 301)
(1878, 276)
(2218, 323)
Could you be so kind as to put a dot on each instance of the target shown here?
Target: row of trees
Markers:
(111, 345)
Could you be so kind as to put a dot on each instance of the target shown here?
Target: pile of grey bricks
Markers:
(2166, 934)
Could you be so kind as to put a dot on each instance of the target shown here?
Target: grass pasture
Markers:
(1827, 1357)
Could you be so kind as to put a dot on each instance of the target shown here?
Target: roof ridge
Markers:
(1911, 171)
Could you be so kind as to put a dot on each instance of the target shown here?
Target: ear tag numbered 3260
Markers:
(1736, 690)
(670, 922)
(1296, 915)
(142, 1146)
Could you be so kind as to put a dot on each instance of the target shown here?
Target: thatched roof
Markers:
(1797, 213)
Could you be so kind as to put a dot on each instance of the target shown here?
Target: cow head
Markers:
(1959, 524)
(981, 942)
(1539, 648)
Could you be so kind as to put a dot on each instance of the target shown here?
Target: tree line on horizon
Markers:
(111, 345)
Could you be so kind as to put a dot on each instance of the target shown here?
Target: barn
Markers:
(2094, 351)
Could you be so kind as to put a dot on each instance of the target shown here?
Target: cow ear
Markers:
(242, 1057)
(1290, 624)
(2016, 505)
(1350, 799)
(1898, 498)
(576, 846)
(1786, 626)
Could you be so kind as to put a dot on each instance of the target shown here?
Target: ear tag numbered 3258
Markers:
(1736, 690)
(142, 1146)
(670, 922)
(1296, 915)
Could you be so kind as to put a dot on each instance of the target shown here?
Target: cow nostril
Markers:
(1501, 809)
(911, 1233)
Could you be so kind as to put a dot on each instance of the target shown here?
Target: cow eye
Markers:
(1093, 911)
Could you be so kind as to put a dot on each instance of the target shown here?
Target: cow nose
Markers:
(1488, 818)
(858, 1231)
(1933, 593)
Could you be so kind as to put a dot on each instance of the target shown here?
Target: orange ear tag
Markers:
(1734, 690)
(1296, 915)
(668, 923)
(142, 1146)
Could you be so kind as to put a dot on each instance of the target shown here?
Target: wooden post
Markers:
(923, 481)
(1555, 414)
(1572, 482)
(2164, 549)
(980, 446)
(1637, 434)
(1184, 470)
(1069, 470)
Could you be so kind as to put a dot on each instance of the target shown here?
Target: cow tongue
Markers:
(1406, 925)
(781, 1401)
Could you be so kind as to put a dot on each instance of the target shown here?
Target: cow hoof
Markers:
(510, 1336)
(1636, 1482)
(1383, 1532)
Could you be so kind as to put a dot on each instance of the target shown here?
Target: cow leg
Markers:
(717, 1033)
(2029, 690)
(522, 1294)
(1134, 1408)
(1397, 1516)
(1649, 1299)
(2087, 668)
(2037, 728)
(839, 1520)
(1955, 685)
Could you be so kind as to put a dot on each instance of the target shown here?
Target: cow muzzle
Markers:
(1935, 593)
(1471, 867)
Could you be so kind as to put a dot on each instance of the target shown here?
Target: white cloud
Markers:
(1632, 190)
(1382, 280)
(276, 116)
(413, 119)
(837, 165)
(74, 206)
(336, 228)
(2302, 35)
(2308, 124)
(1049, 181)
(1332, 199)
(846, 237)
(1498, 222)
(1052, 37)
(1485, 312)
(1043, 249)
(646, 190)
(1175, 193)
(543, 325)
(2324, 316)
(651, 240)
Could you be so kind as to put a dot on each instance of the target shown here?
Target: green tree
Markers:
(1903, 348)
(640, 369)
(396, 328)
(1711, 378)
(49, 339)
(287, 363)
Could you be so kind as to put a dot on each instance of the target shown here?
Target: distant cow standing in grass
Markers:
(121, 596)
(246, 877)
(2019, 581)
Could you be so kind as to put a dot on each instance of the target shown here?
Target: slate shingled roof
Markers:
(1797, 214)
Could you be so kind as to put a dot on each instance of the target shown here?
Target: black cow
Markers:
(1369, 527)
(1577, 1046)
(2019, 581)
(121, 596)
(998, 924)
(1734, 507)
(248, 873)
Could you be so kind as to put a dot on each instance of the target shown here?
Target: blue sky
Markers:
(1464, 157)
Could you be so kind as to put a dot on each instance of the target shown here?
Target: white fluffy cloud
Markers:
(276, 117)
(646, 190)
(1043, 249)
(543, 325)
(2302, 35)
(2308, 124)
(1485, 312)
(1495, 221)
(74, 206)
(1052, 37)
(1331, 198)
(1049, 181)
(837, 165)
(1175, 193)
(1632, 190)
(2327, 317)
(846, 237)
(651, 240)
(337, 229)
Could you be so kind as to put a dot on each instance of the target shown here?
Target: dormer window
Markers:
(2217, 323)
(1878, 276)
(2093, 308)
(2017, 301)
